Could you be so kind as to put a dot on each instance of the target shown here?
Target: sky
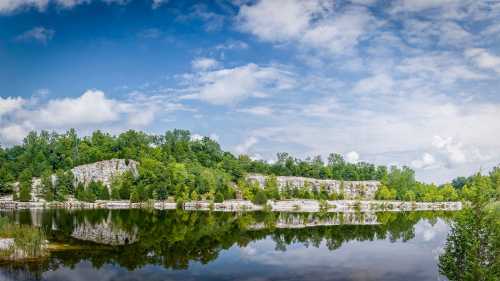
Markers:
(398, 82)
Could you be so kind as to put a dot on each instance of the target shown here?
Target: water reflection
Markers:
(179, 245)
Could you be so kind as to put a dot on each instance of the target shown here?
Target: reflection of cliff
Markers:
(104, 233)
(301, 220)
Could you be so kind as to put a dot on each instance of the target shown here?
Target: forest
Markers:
(177, 165)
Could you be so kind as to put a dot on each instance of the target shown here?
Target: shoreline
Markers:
(292, 205)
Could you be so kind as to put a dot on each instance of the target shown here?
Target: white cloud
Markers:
(483, 59)
(157, 3)
(232, 45)
(420, 5)
(352, 157)
(10, 104)
(313, 24)
(379, 83)
(90, 111)
(231, 85)
(9, 6)
(204, 64)
(427, 161)
(39, 34)
(258, 110)
(263, 20)
(214, 137)
(92, 107)
(196, 137)
(454, 152)
(244, 147)
(340, 33)
(13, 133)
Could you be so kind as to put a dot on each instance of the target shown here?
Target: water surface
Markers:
(177, 245)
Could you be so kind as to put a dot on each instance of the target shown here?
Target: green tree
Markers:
(271, 187)
(471, 250)
(384, 193)
(25, 184)
(48, 190)
(260, 198)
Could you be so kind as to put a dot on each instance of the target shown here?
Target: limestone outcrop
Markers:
(350, 189)
(103, 171)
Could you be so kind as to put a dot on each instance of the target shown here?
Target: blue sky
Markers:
(391, 82)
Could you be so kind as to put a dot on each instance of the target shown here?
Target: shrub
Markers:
(135, 196)
(25, 192)
(219, 198)
(260, 198)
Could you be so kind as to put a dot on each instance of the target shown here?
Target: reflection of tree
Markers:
(472, 250)
(173, 239)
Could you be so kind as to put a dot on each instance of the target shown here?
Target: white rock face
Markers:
(104, 171)
(351, 189)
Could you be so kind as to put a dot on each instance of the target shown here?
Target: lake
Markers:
(179, 245)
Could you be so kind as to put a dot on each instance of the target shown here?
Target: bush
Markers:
(25, 192)
(219, 198)
(134, 196)
(115, 193)
(384, 193)
(25, 182)
(260, 198)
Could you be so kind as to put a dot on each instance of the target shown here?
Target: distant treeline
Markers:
(175, 164)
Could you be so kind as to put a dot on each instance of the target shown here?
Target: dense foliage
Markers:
(472, 250)
(177, 165)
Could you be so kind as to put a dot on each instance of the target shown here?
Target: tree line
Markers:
(177, 165)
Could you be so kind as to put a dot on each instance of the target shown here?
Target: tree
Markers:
(449, 193)
(401, 180)
(271, 187)
(260, 198)
(471, 250)
(219, 198)
(48, 190)
(25, 183)
(135, 196)
(384, 193)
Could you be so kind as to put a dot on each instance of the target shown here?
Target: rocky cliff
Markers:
(102, 171)
(351, 189)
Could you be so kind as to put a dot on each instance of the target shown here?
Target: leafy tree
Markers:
(449, 193)
(48, 189)
(25, 184)
(271, 187)
(219, 197)
(260, 198)
(384, 193)
(471, 250)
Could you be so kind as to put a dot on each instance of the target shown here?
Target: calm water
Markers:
(176, 245)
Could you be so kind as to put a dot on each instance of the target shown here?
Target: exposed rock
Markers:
(102, 171)
(351, 189)
(297, 205)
